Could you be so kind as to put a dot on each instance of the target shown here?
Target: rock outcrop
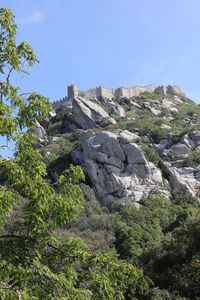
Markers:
(117, 166)
(185, 179)
(115, 162)
(88, 114)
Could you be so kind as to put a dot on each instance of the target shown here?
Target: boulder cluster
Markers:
(117, 166)
(186, 179)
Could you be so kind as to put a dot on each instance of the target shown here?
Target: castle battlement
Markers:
(109, 93)
(60, 103)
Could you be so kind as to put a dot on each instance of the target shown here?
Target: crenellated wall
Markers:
(104, 92)
(133, 91)
(64, 102)
(108, 93)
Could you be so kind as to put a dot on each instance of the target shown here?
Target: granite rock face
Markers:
(88, 114)
(185, 179)
(117, 166)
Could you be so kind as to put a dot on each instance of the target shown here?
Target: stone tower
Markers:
(73, 91)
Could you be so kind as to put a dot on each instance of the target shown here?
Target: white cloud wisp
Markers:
(34, 18)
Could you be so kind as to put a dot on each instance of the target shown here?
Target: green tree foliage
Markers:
(35, 263)
(16, 58)
(141, 229)
(174, 264)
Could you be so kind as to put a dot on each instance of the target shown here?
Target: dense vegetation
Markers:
(36, 263)
(56, 241)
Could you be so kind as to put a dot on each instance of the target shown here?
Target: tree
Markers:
(35, 263)
(16, 58)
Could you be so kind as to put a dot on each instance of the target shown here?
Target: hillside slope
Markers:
(128, 147)
(139, 152)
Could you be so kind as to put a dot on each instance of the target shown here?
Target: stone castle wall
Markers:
(64, 102)
(108, 93)
(133, 91)
(120, 92)
(100, 92)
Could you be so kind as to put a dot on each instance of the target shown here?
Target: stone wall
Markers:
(133, 91)
(120, 92)
(64, 102)
(108, 93)
(100, 92)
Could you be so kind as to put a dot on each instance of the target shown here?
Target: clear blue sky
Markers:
(110, 42)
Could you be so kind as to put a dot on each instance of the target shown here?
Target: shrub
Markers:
(150, 153)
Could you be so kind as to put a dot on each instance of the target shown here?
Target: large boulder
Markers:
(134, 154)
(115, 108)
(104, 142)
(126, 137)
(179, 150)
(88, 114)
(183, 179)
(117, 166)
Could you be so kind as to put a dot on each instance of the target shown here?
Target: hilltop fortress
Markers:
(103, 92)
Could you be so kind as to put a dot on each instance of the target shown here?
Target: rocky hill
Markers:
(140, 152)
(128, 147)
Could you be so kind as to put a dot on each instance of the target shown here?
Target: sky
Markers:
(109, 42)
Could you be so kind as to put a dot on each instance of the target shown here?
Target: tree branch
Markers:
(1, 99)
(23, 94)
(9, 73)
